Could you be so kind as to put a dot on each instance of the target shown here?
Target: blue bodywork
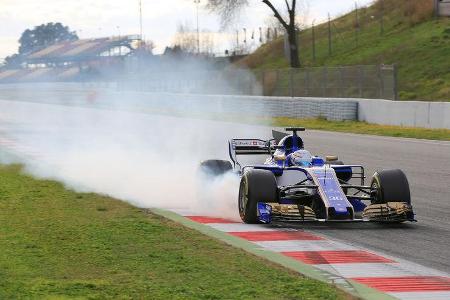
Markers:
(264, 212)
(336, 198)
(321, 188)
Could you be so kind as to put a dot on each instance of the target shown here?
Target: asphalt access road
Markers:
(427, 166)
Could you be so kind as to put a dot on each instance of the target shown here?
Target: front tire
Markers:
(256, 186)
(390, 186)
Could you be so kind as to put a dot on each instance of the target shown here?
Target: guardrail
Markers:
(376, 111)
(255, 106)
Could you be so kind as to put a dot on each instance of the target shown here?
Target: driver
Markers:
(300, 158)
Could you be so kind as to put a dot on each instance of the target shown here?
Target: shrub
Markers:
(411, 11)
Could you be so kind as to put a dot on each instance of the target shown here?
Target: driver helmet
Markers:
(301, 158)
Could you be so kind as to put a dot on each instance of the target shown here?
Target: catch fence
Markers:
(332, 82)
(327, 82)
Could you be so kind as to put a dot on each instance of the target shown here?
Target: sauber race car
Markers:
(293, 185)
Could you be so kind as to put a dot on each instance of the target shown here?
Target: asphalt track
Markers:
(426, 164)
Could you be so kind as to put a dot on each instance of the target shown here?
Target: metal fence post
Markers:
(360, 81)
(382, 17)
(263, 82)
(381, 79)
(277, 82)
(313, 42)
(291, 82)
(306, 82)
(395, 71)
(329, 35)
(357, 24)
(341, 82)
(436, 8)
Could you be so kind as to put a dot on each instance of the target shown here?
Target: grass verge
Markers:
(56, 243)
(363, 128)
(323, 124)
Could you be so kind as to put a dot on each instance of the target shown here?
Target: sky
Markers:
(160, 19)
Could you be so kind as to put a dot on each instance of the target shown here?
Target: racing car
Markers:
(293, 185)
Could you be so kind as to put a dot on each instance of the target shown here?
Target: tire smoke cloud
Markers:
(97, 140)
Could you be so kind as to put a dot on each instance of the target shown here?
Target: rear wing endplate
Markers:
(250, 147)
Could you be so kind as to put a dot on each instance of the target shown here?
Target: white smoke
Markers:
(108, 146)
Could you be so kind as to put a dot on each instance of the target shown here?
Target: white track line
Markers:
(293, 245)
(239, 227)
(432, 295)
(355, 270)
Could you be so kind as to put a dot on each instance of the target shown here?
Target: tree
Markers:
(39, 37)
(186, 39)
(13, 60)
(44, 35)
(228, 9)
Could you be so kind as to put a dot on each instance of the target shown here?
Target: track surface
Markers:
(427, 166)
(426, 163)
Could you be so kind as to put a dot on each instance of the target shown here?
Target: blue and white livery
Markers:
(294, 185)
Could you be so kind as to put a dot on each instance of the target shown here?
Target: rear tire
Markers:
(215, 167)
(256, 186)
(390, 186)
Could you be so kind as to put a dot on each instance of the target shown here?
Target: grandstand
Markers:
(72, 60)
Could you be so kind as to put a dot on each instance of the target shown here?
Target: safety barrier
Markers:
(330, 109)
(384, 112)
(376, 111)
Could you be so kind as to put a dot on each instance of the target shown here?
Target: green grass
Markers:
(57, 244)
(363, 128)
(417, 43)
(321, 124)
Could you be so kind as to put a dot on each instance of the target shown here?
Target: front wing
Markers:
(389, 212)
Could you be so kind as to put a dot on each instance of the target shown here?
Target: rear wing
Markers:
(250, 147)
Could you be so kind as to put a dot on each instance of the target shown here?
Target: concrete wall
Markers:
(443, 7)
(383, 112)
(331, 109)
(405, 113)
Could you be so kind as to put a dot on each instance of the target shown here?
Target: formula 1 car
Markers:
(293, 185)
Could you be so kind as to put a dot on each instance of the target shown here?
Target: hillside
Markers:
(411, 38)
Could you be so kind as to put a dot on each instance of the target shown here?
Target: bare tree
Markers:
(148, 45)
(207, 45)
(186, 38)
(302, 18)
(228, 9)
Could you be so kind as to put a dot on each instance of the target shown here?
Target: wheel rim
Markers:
(375, 191)
(243, 197)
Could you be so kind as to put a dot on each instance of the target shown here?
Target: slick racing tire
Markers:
(390, 186)
(215, 167)
(256, 186)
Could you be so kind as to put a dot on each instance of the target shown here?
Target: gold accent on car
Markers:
(331, 158)
(292, 212)
(390, 210)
